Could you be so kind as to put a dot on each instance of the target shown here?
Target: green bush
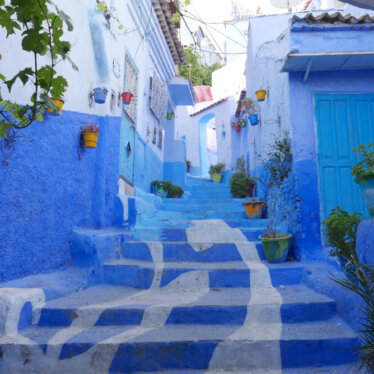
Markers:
(241, 185)
(341, 228)
(171, 189)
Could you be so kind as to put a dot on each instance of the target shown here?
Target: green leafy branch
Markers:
(40, 24)
(108, 14)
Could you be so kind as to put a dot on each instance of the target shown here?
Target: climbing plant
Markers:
(40, 24)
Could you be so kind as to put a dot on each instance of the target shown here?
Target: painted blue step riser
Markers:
(170, 224)
(183, 251)
(199, 215)
(152, 357)
(133, 276)
(190, 315)
(238, 207)
(139, 277)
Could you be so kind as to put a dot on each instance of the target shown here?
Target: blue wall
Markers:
(148, 166)
(305, 145)
(47, 191)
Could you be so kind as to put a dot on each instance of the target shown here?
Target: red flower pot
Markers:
(126, 98)
(238, 128)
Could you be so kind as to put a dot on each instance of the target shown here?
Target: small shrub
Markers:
(242, 185)
(341, 229)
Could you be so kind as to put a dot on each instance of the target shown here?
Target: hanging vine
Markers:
(40, 24)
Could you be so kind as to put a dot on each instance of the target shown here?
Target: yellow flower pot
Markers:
(59, 103)
(217, 177)
(261, 94)
(90, 139)
(253, 209)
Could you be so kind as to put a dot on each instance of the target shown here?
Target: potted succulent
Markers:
(99, 94)
(215, 172)
(90, 133)
(188, 166)
(253, 207)
(363, 172)
(277, 163)
(242, 185)
(261, 94)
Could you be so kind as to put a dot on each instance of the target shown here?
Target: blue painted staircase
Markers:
(190, 292)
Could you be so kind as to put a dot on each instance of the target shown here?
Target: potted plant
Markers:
(55, 108)
(169, 115)
(253, 119)
(242, 185)
(277, 163)
(90, 133)
(188, 166)
(363, 172)
(253, 207)
(340, 229)
(100, 95)
(238, 128)
(215, 172)
(126, 97)
(261, 94)
(165, 189)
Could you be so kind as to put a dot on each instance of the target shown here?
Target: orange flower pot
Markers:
(253, 209)
(59, 103)
(90, 139)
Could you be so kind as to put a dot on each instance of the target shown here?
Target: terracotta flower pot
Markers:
(253, 209)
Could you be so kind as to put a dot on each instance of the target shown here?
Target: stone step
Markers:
(111, 306)
(188, 205)
(169, 224)
(141, 274)
(179, 234)
(187, 251)
(134, 349)
(200, 215)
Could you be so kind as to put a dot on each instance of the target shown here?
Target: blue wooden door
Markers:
(344, 121)
(128, 124)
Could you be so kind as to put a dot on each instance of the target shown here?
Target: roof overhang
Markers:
(181, 91)
(367, 4)
(308, 62)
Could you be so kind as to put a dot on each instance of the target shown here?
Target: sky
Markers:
(218, 11)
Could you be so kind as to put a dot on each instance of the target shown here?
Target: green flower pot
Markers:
(276, 249)
(217, 177)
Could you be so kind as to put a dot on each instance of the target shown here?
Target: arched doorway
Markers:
(208, 142)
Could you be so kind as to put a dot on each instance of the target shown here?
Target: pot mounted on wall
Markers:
(261, 95)
(253, 119)
(126, 98)
(59, 103)
(100, 95)
(169, 115)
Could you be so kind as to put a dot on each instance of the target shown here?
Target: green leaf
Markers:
(101, 7)
(33, 41)
(7, 22)
(66, 19)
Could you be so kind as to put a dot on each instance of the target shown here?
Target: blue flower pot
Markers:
(100, 95)
(253, 119)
